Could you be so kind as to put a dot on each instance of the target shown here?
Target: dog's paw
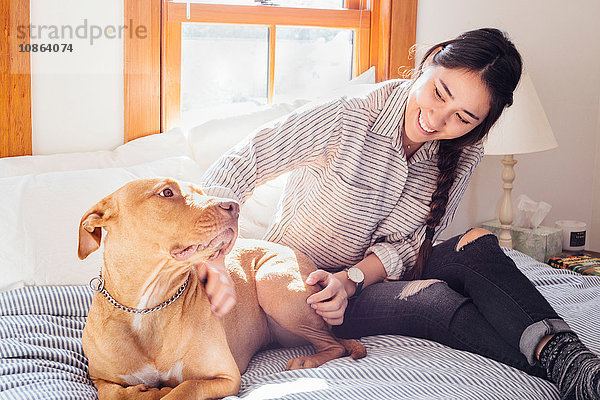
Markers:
(302, 363)
(137, 388)
(148, 393)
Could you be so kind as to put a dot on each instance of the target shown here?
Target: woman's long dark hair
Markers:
(491, 54)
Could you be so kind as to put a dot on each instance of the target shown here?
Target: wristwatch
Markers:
(356, 275)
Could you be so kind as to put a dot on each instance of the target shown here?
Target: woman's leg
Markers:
(431, 310)
(476, 267)
(480, 270)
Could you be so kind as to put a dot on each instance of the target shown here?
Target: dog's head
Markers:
(160, 220)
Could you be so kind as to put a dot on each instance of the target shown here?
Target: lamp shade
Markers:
(523, 127)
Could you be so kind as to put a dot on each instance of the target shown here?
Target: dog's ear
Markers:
(91, 224)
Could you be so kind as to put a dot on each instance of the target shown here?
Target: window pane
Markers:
(223, 64)
(311, 61)
(329, 4)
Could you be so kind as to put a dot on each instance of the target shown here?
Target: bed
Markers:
(41, 355)
(44, 297)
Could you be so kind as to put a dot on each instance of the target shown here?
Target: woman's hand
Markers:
(331, 302)
(219, 287)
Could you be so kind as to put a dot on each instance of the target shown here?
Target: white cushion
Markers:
(257, 212)
(366, 77)
(40, 214)
(213, 138)
(149, 148)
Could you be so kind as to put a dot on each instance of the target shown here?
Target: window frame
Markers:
(152, 68)
(15, 81)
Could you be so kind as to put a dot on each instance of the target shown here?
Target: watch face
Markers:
(355, 275)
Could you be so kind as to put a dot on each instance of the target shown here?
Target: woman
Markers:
(374, 180)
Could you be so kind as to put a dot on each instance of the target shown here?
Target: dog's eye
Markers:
(166, 193)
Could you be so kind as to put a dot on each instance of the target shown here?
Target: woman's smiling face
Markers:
(445, 104)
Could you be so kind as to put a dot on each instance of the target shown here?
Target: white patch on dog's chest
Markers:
(152, 377)
(137, 318)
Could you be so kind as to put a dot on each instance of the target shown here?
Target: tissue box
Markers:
(540, 243)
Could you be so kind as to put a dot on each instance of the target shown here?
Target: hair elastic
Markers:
(429, 233)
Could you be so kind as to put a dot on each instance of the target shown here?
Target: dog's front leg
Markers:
(113, 391)
(215, 388)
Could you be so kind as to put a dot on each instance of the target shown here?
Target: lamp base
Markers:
(506, 208)
(505, 238)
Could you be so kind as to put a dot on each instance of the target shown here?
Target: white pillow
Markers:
(213, 138)
(40, 214)
(257, 213)
(366, 77)
(149, 148)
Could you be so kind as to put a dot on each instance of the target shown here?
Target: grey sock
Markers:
(573, 367)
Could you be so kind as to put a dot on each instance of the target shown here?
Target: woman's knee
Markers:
(415, 287)
(471, 236)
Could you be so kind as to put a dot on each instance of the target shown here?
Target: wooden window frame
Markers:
(15, 81)
(152, 67)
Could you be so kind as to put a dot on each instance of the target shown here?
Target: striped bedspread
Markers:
(41, 355)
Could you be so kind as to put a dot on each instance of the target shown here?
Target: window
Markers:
(223, 64)
(243, 52)
(225, 67)
(311, 61)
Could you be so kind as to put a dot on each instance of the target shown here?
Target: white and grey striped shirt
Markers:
(351, 191)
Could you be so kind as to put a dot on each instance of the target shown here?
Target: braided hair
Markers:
(491, 54)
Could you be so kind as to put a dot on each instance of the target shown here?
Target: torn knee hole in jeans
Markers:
(471, 236)
(415, 287)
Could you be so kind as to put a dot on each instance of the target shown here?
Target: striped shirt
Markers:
(351, 191)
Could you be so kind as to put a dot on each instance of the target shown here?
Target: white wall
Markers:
(559, 44)
(78, 98)
(595, 228)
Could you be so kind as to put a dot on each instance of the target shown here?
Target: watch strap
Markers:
(359, 287)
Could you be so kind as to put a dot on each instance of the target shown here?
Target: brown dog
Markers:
(157, 230)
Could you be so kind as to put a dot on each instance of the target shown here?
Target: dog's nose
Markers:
(231, 206)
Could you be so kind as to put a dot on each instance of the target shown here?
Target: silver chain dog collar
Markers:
(99, 287)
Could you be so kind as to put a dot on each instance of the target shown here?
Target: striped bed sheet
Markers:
(41, 355)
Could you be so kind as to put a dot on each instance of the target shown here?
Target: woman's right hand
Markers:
(331, 302)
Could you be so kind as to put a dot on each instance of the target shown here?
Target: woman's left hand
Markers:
(331, 302)
(219, 287)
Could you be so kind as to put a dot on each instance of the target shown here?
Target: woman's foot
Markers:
(573, 367)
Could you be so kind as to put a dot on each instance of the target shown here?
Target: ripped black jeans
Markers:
(479, 302)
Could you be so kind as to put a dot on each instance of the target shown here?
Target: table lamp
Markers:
(522, 128)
